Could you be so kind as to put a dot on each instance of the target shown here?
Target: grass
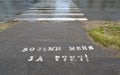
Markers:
(5, 25)
(107, 34)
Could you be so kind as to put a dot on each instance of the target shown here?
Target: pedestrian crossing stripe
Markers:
(79, 14)
(52, 8)
(53, 19)
(58, 10)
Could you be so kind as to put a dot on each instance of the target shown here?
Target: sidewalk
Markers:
(48, 47)
(50, 34)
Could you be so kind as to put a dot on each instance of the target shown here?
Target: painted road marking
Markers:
(80, 14)
(52, 8)
(56, 10)
(53, 19)
(37, 10)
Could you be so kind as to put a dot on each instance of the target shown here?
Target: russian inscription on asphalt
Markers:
(82, 57)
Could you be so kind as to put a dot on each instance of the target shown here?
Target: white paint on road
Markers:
(53, 8)
(86, 56)
(53, 12)
(53, 19)
(39, 14)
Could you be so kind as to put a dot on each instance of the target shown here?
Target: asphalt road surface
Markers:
(100, 9)
(53, 48)
(25, 49)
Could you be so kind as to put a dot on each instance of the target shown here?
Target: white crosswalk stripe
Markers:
(56, 14)
(53, 11)
(53, 19)
(52, 8)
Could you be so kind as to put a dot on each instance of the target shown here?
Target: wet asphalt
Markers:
(37, 36)
(52, 34)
